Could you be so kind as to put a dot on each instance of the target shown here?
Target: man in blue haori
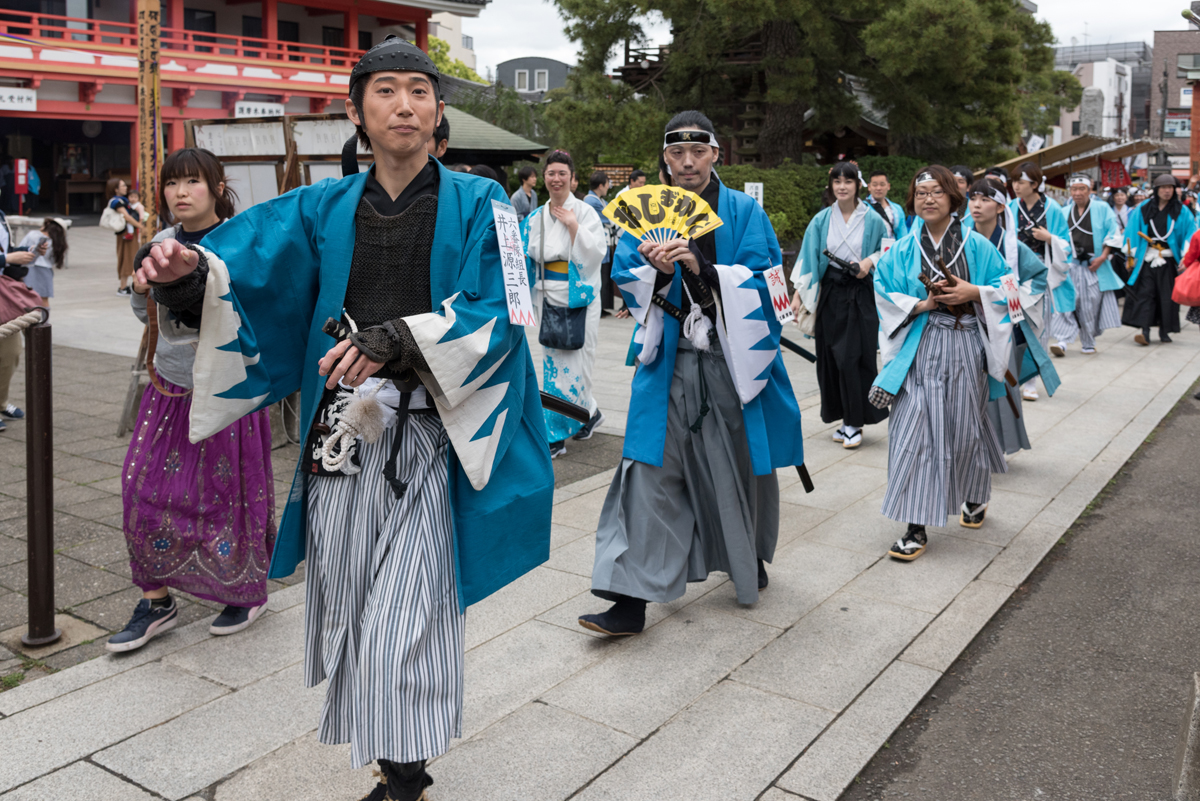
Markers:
(425, 484)
(712, 413)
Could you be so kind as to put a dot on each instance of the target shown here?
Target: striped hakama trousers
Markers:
(942, 448)
(1095, 311)
(382, 622)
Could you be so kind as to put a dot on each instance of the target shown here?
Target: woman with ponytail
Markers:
(199, 517)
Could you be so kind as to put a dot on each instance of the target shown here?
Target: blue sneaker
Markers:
(236, 618)
(11, 412)
(146, 624)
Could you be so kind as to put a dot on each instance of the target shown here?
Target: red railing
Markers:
(121, 37)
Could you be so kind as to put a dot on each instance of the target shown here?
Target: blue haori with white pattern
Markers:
(1059, 251)
(898, 290)
(279, 269)
(748, 331)
(1180, 235)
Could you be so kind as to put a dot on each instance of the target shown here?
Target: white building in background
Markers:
(448, 27)
(1105, 109)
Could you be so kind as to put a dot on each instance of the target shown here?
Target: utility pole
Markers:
(149, 17)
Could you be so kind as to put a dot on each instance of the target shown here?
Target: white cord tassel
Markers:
(1155, 256)
(696, 326)
(365, 417)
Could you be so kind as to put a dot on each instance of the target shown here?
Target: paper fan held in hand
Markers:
(662, 213)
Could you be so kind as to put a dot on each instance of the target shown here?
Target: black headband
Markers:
(690, 136)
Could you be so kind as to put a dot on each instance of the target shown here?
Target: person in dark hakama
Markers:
(711, 412)
(846, 326)
(940, 347)
(1158, 234)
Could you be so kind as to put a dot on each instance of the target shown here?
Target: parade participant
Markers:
(843, 299)
(891, 211)
(964, 176)
(440, 141)
(565, 245)
(1158, 232)
(1042, 227)
(711, 414)
(199, 517)
(992, 218)
(1119, 199)
(598, 186)
(400, 528)
(939, 346)
(1094, 234)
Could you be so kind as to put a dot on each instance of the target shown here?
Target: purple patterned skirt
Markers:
(199, 518)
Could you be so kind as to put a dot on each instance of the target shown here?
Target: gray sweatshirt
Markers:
(172, 362)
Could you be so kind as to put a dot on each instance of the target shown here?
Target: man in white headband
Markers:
(1094, 233)
(696, 490)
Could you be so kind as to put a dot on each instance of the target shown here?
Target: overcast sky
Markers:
(512, 28)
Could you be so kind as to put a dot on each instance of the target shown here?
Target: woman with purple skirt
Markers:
(199, 518)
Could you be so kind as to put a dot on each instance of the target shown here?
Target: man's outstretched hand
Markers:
(168, 261)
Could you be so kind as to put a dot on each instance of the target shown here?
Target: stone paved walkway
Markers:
(787, 698)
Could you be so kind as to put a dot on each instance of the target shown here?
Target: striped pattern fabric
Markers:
(1095, 311)
(382, 622)
(942, 449)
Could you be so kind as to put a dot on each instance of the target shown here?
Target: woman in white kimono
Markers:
(565, 243)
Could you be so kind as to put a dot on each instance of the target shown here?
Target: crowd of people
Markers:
(425, 480)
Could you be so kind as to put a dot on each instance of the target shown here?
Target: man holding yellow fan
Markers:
(712, 412)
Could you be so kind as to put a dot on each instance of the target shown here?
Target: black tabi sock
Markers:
(405, 780)
(161, 603)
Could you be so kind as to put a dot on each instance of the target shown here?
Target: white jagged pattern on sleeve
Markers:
(743, 330)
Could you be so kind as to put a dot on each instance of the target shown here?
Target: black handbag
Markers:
(562, 328)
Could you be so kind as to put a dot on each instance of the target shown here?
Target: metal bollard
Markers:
(39, 456)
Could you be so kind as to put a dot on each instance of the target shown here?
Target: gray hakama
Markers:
(382, 622)
(1009, 427)
(942, 449)
(704, 510)
(1095, 311)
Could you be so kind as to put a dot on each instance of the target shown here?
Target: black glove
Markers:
(390, 343)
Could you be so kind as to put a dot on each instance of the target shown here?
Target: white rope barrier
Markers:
(21, 323)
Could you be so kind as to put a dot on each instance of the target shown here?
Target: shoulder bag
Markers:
(562, 328)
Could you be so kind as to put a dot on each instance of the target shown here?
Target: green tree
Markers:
(599, 120)
(501, 106)
(439, 52)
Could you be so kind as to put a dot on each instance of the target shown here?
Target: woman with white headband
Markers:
(840, 295)
(1042, 227)
(1094, 235)
(992, 218)
(1158, 234)
(944, 330)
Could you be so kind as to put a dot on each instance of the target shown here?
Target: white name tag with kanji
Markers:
(1012, 291)
(777, 286)
(512, 262)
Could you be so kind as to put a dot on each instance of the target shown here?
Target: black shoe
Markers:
(148, 622)
(911, 545)
(763, 581)
(627, 616)
(589, 428)
(557, 449)
(972, 515)
(3, 426)
(400, 781)
(1164, 338)
(236, 618)
(11, 412)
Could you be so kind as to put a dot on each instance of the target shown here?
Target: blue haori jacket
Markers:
(749, 334)
(1182, 228)
(1059, 252)
(1105, 231)
(279, 269)
(809, 270)
(1032, 276)
(898, 289)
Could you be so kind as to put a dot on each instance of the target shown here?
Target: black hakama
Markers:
(847, 336)
(1148, 302)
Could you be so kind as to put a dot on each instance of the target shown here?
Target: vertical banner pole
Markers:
(149, 17)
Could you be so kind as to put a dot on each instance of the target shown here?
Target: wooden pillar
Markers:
(422, 26)
(270, 22)
(134, 154)
(174, 14)
(177, 137)
(350, 30)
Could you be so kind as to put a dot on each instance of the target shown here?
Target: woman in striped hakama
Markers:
(939, 347)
